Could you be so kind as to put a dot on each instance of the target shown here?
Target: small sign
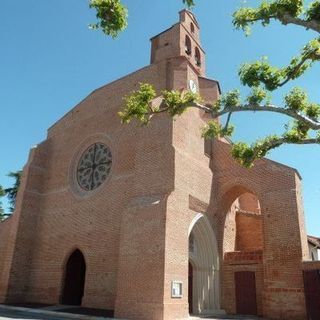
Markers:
(193, 86)
(176, 289)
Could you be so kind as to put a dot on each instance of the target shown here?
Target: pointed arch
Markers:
(204, 258)
(74, 279)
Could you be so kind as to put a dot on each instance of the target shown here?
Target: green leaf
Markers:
(245, 17)
(189, 3)
(178, 102)
(253, 74)
(231, 99)
(137, 105)
(2, 193)
(243, 153)
(12, 192)
(313, 12)
(213, 129)
(112, 16)
(296, 99)
(257, 96)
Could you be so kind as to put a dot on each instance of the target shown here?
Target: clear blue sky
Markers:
(49, 61)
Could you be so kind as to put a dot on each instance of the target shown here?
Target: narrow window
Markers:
(192, 27)
(197, 57)
(188, 46)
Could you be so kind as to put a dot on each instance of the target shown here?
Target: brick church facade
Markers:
(152, 222)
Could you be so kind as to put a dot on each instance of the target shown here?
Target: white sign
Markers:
(193, 86)
(176, 289)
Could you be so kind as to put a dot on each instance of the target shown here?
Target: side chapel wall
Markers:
(278, 190)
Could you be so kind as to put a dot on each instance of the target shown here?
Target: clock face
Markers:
(193, 86)
(94, 166)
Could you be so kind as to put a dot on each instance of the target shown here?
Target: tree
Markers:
(11, 193)
(260, 76)
(2, 215)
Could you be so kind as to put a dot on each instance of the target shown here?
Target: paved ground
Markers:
(12, 314)
(20, 315)
(44, 314)
(50, 313)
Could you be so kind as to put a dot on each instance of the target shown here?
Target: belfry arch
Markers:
(204, 278)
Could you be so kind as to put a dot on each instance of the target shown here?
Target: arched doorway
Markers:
(204, 289)
(74, 279)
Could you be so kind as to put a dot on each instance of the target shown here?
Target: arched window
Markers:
(188, 45)
(197, 57)
(192, 27)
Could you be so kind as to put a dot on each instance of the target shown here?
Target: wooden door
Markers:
(246, 299)
(312, 293)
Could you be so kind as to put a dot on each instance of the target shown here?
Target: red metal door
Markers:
(246, 300)
(312, 293)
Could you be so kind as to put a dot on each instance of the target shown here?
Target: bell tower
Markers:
(182, 39)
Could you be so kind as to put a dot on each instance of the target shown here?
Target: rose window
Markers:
(94, 166)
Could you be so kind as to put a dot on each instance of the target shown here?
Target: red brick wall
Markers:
(249, 202)
(249, 235)
(230, 229)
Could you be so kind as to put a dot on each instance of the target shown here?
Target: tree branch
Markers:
(312, 123)
(164, 108)
(228, 120)
(277, 142)
(274, 143)
(246, 155)
(305, 141)
(288, 19)
(296, 69)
